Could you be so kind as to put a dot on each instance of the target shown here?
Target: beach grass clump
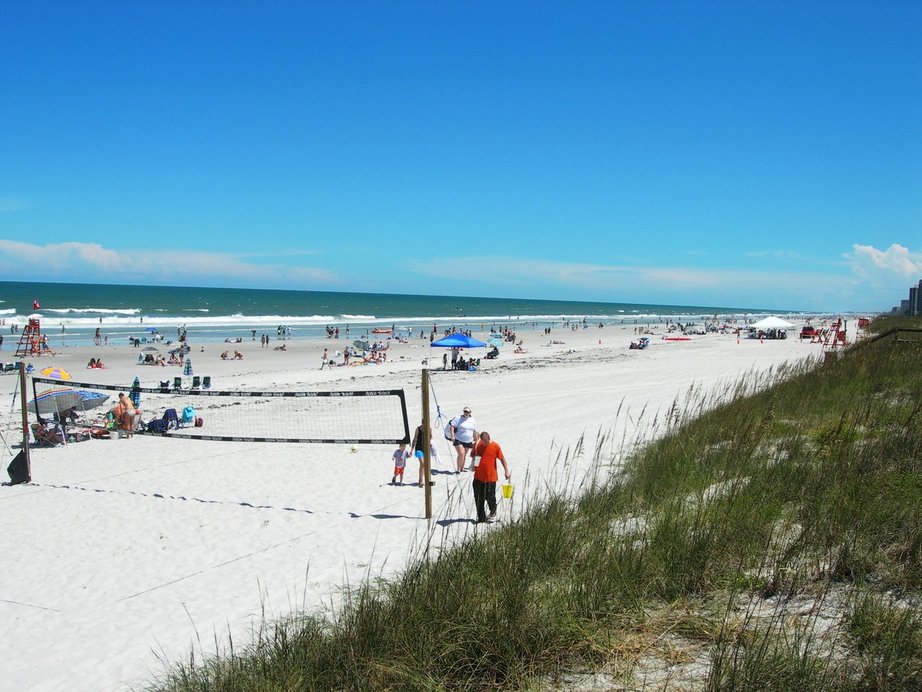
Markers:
(769, 537)
(885, 640)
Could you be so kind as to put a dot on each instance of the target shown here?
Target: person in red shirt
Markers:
(484, 455)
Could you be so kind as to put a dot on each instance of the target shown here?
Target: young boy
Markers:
(400, 463)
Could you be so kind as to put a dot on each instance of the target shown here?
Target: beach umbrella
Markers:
(56, 373)
(495, 341)
(150, 349)
(187, 370)
(135, 394)
(458, 341)
(358, 343)
(54, 401)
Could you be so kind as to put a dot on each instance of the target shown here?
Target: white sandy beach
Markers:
(125, 553)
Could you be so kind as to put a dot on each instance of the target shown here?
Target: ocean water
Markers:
(70, 313)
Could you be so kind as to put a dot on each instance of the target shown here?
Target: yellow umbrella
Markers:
(56, 373)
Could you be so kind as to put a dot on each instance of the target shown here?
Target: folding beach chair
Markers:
(206, 382)
(164, 386)
(47, 435)
(196, 382)
(177, 383)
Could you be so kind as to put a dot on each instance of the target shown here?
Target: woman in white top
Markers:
(463, 433)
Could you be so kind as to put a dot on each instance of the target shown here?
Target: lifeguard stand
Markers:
(30, 341)
(835, 336)
(864, 328)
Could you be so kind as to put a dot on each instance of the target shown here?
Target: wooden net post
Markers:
(427, 445)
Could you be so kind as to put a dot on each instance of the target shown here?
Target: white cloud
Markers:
(868, 261)
(73, 261)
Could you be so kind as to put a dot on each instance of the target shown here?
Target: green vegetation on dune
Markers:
(770, 541)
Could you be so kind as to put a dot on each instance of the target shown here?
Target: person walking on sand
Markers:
(485, 477)
(419, 450)
(463, 431)
(324, 359)
(400, 457)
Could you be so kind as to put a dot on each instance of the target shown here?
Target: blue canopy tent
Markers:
(458, 341)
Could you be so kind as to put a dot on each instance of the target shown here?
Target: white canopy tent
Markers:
(772, 323)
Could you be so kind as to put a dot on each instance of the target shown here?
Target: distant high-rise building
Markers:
(913, 301)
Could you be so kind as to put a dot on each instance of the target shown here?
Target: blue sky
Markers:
(756, 154)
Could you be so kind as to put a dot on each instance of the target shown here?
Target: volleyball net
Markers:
(330, 417)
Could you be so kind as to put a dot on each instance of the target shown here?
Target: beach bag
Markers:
(448, 430)
(199, 422)
(188, 415)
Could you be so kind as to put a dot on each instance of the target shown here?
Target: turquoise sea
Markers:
(71, 313)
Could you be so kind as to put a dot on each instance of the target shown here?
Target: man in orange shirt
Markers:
(485, 476)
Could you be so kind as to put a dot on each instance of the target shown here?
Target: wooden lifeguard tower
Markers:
(864, 328)
(30, 341)
(835, 335)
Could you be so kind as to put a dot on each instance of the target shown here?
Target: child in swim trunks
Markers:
(400, 457)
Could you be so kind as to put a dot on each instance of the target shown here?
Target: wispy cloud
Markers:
(865, 279)
(72, 261)
(776, 254)
(815, 288)
(12, 204)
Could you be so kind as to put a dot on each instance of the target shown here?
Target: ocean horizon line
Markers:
(658, 308)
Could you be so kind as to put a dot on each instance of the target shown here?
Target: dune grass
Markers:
(767, 539)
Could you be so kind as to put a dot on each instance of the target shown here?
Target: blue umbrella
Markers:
(458, 341)
(90, 399)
